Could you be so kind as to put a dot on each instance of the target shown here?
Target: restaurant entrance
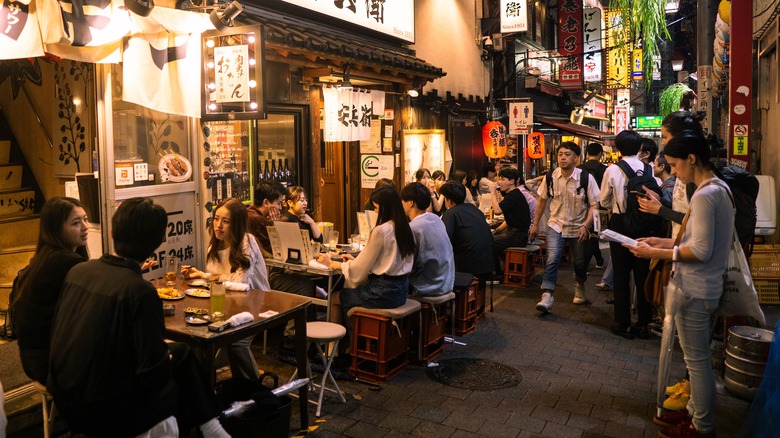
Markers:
(340, 188)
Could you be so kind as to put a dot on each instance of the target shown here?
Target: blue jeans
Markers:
(693, 326)
(555, 242)
(379, 292)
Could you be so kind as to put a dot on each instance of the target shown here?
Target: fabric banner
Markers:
(570, 43)
(20, 35)
(591, 49)
(158, 64)
(347, 115)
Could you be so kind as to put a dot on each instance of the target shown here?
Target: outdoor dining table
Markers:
(332, 274)
(205, 342)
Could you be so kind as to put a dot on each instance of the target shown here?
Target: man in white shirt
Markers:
(488, 178)
(613, 197)
(571, 218)
(433, 273)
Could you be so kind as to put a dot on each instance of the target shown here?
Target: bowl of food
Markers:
(169, 309)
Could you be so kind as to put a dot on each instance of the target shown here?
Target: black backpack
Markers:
(8, 331)
(583, 188)
(744, 188)
(635, 222)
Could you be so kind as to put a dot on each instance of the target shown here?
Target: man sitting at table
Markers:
(434, 265)
(264, 210)
(111, 372)
(513, 231)
(469, 233)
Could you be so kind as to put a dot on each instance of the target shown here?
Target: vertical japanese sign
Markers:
(617, 56)
(232, 65)
(521, 118)
(19, 23)
(704, 95)
(740, 82)
(570, 43)
(514, 16)
(592, 64)
(636, 65)
(347, 115)
(621, 118)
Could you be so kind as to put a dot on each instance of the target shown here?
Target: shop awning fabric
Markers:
(578, 130)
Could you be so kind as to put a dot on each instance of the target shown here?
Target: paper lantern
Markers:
(536, 145)
(494, 139)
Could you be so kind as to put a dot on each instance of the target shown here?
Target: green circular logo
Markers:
(370, 166)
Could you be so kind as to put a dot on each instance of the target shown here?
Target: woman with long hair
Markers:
(61, 246)
(377, 277)
(701, 260)
(294, 205)
(234, 255)
(472, 185)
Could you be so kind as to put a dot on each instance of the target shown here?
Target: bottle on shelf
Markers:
(282, 176)
(266, 175)
(274, 173)
(287, 173)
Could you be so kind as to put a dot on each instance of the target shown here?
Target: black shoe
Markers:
(621, 330)
(640, 331)
(609, 301)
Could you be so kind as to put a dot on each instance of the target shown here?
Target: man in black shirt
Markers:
(513, 232)
(595, 167)
(472, 242)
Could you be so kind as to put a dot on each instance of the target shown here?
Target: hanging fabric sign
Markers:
(570, 43)
(591, 27)
(19, 23)
(536, 145)
(347, 115)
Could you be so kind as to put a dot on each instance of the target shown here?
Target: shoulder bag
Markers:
(660, 271)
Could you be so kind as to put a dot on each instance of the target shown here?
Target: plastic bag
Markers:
(739, 293)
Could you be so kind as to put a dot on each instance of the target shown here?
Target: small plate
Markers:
(198, 282)
(194, 320)
(198, 293)
(196, 312)
(169, 293)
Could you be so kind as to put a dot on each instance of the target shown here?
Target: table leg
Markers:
(301, 358)
(208, 362)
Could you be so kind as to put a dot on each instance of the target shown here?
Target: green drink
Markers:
(217, 300)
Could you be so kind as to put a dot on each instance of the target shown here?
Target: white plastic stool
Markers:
(323, 333)
(47, 406)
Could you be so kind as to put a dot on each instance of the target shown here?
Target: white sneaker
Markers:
(545, 305)
(579, 294)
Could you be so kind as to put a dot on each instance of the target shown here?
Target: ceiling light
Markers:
(140, 7)
(223, 20)
(413, 93)
(346, 84)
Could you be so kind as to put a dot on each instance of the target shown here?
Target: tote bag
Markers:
(739, 293)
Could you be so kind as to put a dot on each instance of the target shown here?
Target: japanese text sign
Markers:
(231, 73)
(514, 16)
(570, 43)
(617, 56)
(347, 115)
(521, 118)
(591, 33)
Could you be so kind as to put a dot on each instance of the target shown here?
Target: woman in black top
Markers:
(295, 204)
(61, 245)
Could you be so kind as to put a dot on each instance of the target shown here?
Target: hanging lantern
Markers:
(536, 145)
(494, 139)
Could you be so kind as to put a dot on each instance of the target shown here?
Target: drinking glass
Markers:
(355, 241)
(334, 239)
(217, 300)
(171, 270)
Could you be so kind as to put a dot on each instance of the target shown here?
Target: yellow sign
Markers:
(618, 68)
(636, 65)
(740, 145)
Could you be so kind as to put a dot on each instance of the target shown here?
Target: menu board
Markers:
(226, 162)
(422, 148)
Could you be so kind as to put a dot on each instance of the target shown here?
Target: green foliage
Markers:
(671, 97)
(646, 22)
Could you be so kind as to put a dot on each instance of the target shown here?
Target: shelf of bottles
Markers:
(278, 170)
(226, 161)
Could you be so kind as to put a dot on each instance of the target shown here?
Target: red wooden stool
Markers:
(519, 265)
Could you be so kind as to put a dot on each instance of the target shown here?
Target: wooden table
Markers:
(205, 343)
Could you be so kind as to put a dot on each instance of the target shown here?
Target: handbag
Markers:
(739, 293)
(660, 272)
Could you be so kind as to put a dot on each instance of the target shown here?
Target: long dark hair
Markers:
(238, 228)
(679, 121)
(690, 143)
(54, 214)
(391, 209)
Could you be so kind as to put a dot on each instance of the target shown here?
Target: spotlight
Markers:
(140, 7)
(346, 84)
(413, 93)
(224, 20)
(454, 109)
(436, 108)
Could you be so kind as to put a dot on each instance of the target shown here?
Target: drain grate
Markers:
(475, 374)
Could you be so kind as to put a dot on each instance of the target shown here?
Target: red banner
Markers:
(570, 43)
(740, 82)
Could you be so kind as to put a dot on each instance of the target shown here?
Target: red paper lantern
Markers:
(536, 145)
(494, 139)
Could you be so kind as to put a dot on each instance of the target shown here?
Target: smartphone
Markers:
(642, 194)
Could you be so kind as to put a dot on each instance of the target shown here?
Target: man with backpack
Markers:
(573, 195)
(622, 184)
(595, 167)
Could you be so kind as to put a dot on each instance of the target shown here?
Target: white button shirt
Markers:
(613, 185)
(568, 210)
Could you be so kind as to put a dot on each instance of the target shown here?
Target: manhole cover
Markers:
(475, 374)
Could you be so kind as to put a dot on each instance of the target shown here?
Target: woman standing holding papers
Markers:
(377, 278)
(701, 257)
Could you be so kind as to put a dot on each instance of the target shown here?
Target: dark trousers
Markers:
(197, 402)
(623, 264)
(510, 238)
(592, 250)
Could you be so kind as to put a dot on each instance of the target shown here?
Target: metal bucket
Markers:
(747, 351)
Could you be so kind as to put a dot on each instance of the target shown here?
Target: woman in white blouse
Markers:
(377, 277)
(234, 255)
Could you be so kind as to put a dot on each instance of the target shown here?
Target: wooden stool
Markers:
(47, 407)
(380, 341)
(464, 311)
(429, 342)
(519, 265)
(323, 333)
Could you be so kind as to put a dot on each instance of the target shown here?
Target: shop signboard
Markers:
(347, 115)
(375, 167)
(514, 16)
(636, 65)
(592, 27)
(704, 95)
(570, 43)
(648, 122)
(621, 118)
(618, 51)
(394, 18)
(740, 81)
(521, 118)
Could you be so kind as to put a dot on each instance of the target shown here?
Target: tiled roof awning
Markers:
(315, 47)
(578, 130)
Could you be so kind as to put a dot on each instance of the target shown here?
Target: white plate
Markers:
(174, 167)
(198, 283)
(198, 293)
